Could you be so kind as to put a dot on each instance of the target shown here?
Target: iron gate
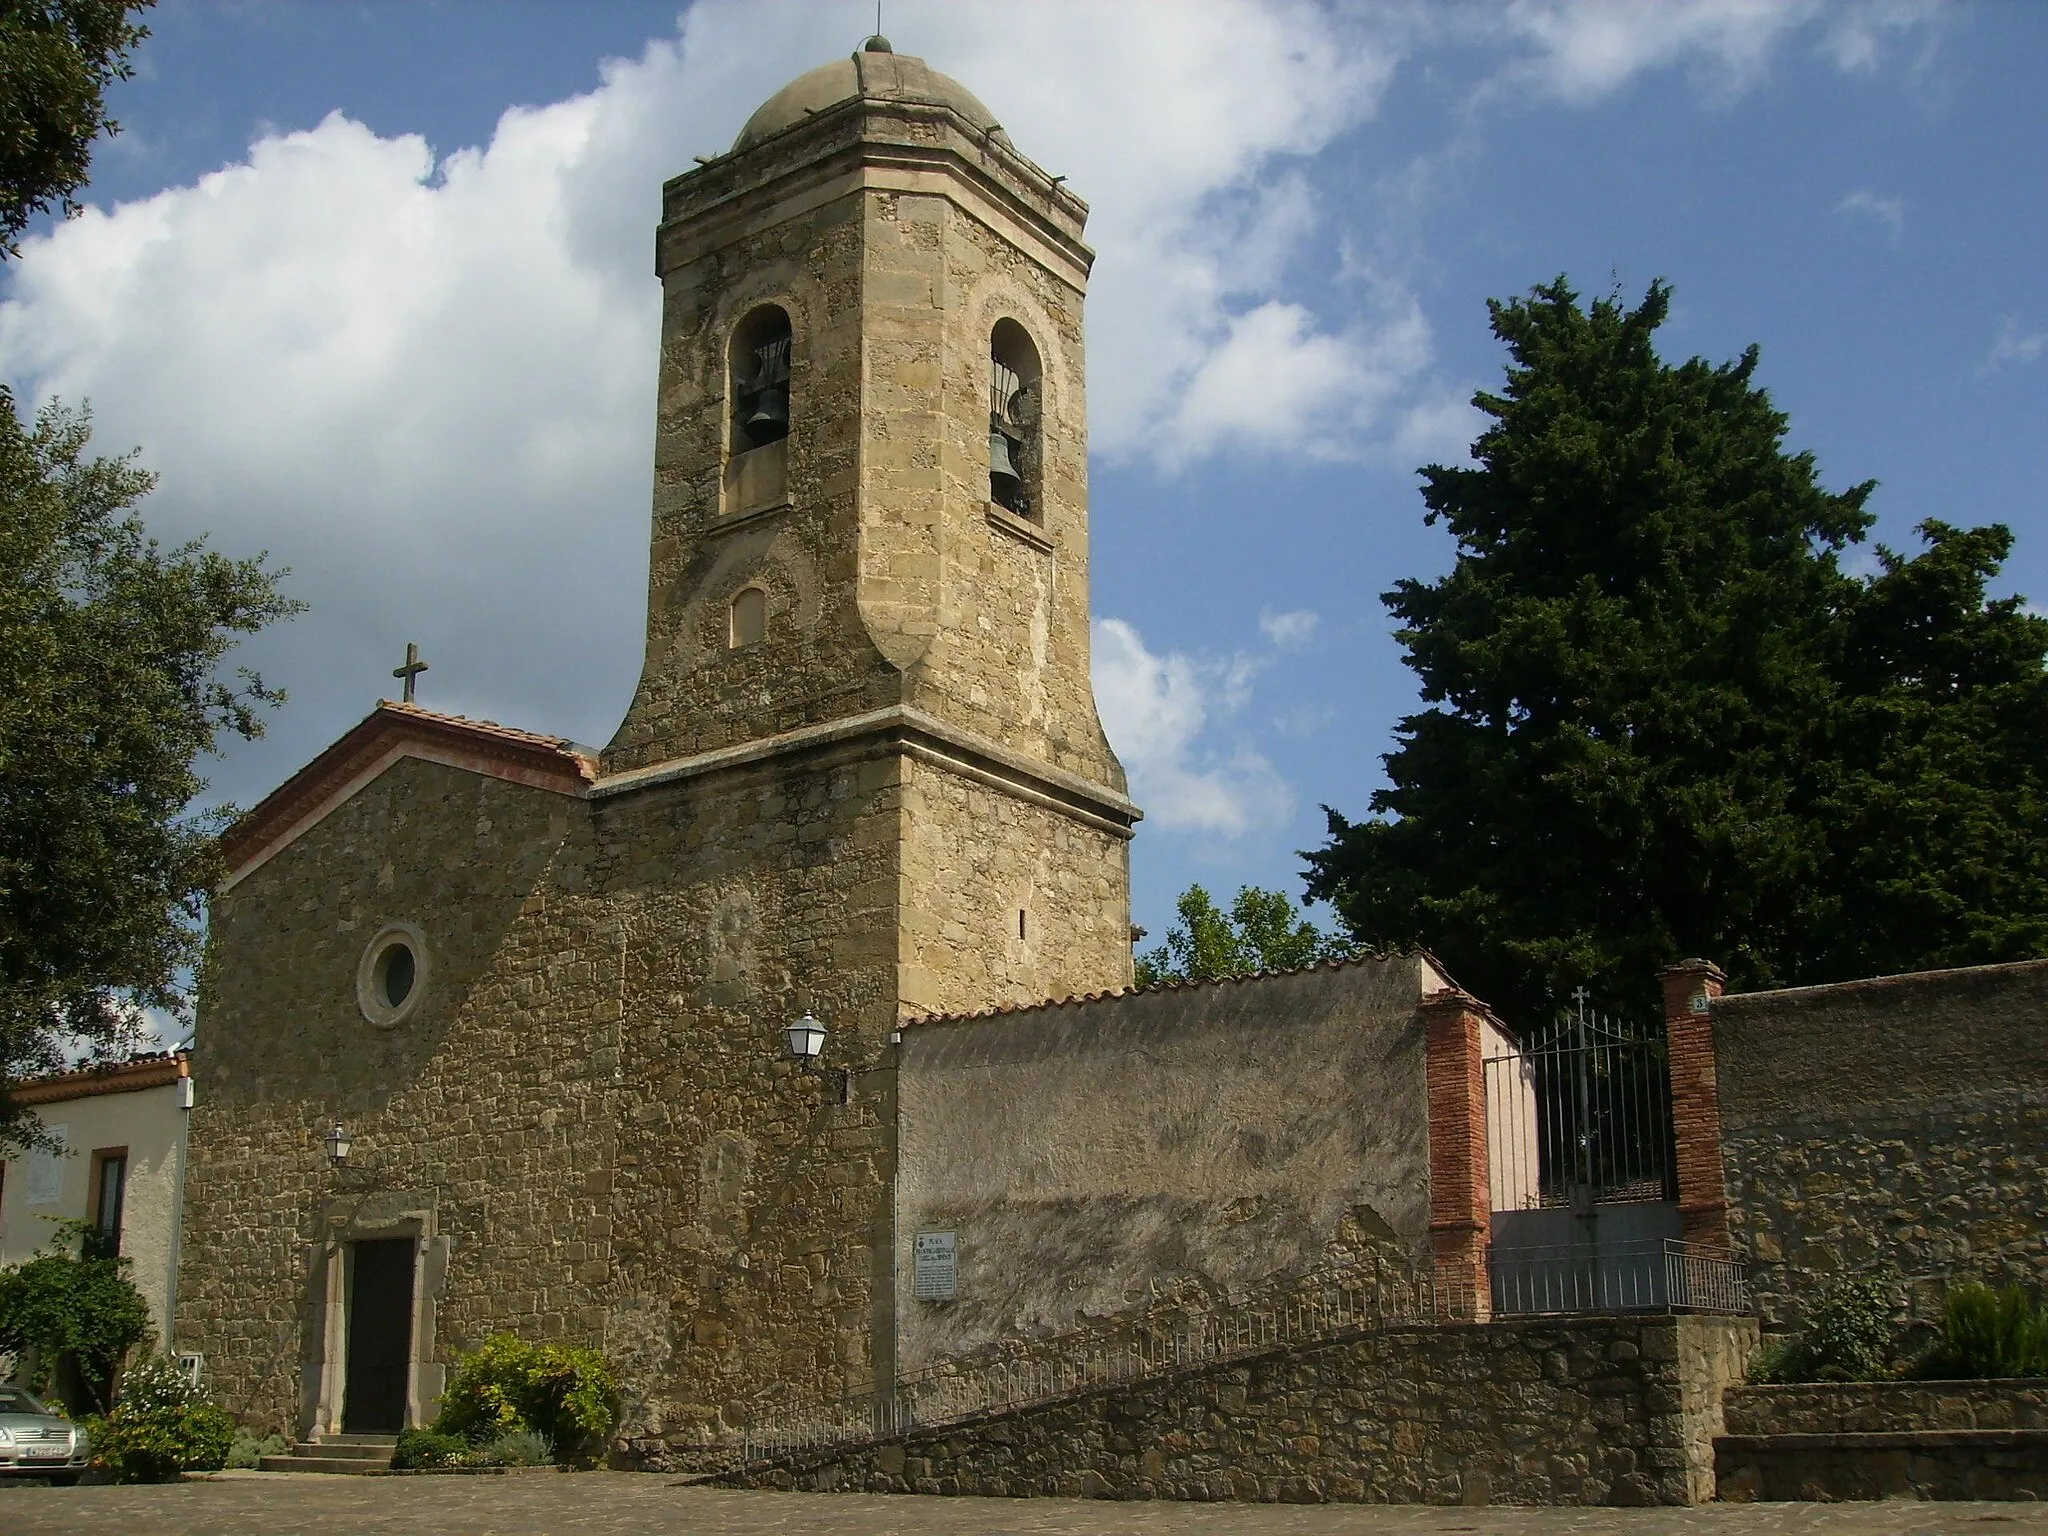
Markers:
(1581, 1116)
(1583, 1167)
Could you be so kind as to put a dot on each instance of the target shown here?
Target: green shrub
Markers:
(519, 1448)
(1987, 1333)
(155, 1383)
(568, 1396)
(161, 1426)
(1848, 1337)
(247, 1452)
(56, 1308)
(418, 1448)
(1772, 1361)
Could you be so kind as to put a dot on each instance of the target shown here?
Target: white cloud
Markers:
(1158, 711)
(1857, 34)
(1439, 428)
(1888, 213)
(1299, 720)
(1178, 124)
(405, 378)
(1580, 50)
(1276, 380)
(1584, 49)
(424, 380)
(2015, 345)
(1286, 630)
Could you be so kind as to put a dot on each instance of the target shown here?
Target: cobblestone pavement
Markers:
(624, 1504)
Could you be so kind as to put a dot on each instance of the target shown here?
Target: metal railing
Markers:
(1665, 1276)
(1384, 1295)
(1649, 1276)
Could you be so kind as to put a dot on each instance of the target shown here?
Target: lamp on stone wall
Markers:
(806, 1039)
(337, 1146)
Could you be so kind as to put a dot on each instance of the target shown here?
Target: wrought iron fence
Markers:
(1667, 1276)
(1655, 1276)
(1384, 1295)
(1581, 1115)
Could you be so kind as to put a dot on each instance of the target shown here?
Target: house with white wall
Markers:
(120, 1166)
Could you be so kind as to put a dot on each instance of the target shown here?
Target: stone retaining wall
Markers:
(1885, 1440)
(1896, 1127)
(1943, 1464)
(1590, 1410)
(1864, 1407)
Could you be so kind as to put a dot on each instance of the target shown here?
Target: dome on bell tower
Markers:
(877, 73)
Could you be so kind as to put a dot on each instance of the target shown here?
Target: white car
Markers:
(34, 1442)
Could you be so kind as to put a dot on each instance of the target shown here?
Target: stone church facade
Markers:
(541, 992)
(544, 990)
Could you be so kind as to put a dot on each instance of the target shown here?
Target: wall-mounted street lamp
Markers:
(806, 1040)
(337, 1146)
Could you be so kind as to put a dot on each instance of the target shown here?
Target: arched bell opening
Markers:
(760, 378)
(757, 454)
(1015, 412)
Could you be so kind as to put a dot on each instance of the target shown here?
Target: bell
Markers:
(1006, 486)
(769, 419)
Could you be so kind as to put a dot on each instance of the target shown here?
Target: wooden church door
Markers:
(379, 1337)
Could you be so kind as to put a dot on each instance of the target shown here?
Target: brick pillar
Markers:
(1690, 988)
(1460, 1195)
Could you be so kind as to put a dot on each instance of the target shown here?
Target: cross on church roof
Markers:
(411, 670)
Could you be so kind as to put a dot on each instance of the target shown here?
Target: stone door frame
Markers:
(367, 1218)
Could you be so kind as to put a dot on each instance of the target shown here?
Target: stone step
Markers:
(1930, 1464)
(357, 1465)
(346, 1450)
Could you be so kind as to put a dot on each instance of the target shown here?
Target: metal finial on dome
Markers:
(876, 44)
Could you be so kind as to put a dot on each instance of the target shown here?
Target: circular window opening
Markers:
(393, 974)
(397, 965)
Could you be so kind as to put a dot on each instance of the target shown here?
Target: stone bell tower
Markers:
(862, 779)
(871, 516)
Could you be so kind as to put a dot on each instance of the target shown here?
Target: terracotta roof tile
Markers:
(147, 1069)
(561, 744)
(1172, 984)
(484, 746)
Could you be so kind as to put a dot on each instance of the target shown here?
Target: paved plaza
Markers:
(624, 1504)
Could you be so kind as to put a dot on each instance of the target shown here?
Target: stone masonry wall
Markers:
(887, 578)
(1004, 900)
(594, 1096)
(1002, 636)
(698, 693)
(488, 1104)
(1896, 1127)
(1920, 1440)
(1591, 1410)
(1882, 1407)
(747, 1198)
(1094, 1156)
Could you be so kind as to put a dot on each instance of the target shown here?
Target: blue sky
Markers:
(370, 285)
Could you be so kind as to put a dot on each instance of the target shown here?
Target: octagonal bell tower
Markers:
(871, 513)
